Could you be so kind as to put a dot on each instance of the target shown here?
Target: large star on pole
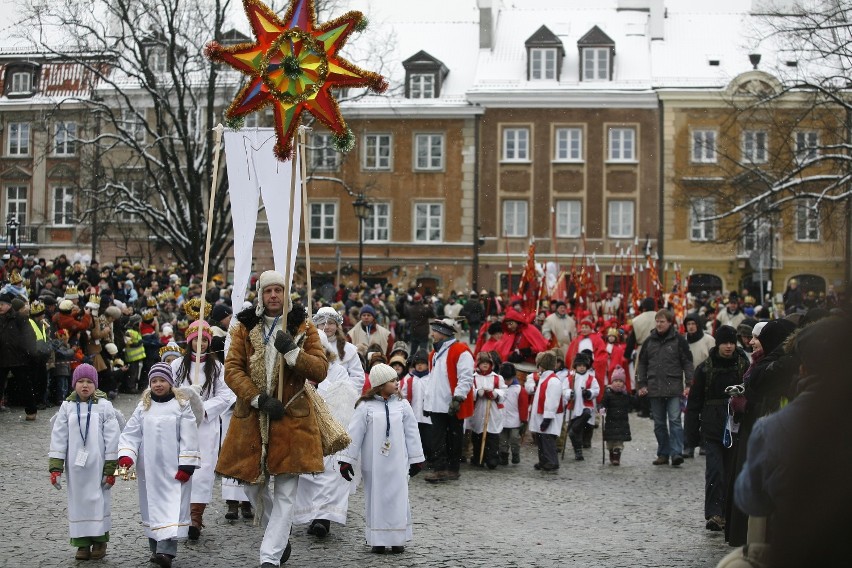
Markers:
(293, 65)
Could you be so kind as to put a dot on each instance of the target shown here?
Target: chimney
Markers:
(489, 10)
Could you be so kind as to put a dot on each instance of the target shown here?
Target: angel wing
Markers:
(340, 398)
(195, 402)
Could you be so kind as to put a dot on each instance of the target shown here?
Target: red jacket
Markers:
(599, 358)
(526, 337)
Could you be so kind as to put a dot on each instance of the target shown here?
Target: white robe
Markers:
(578, 383)
(553, 395)
(210, 432)
(159, 440)
(495, 413)
(439, 396)
(232, 489)
(388, 517)
(326, 495)
(89, 505)
(418, 387)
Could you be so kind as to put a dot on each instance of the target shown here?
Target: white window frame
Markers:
(621, 215)
(515, 218)
(377, 224)
(251, 120)
(516, 144)
(421, 86)
(428, 160)
(378, 152)
(543, 61)
(595, 68)
(133, 125)
(324, 156)
(569, 218)
(433, 221)
(158, 60)
(751, 234)
(568, 143)
(65, 138)
(622, 144)
(22, 83)
(704, 146)
(63, 206)
(20, 203)
(702, 231)
(807, 145)
(18, 139)
(135, 187)
(323, 215)
(755, 147)
(807, 221)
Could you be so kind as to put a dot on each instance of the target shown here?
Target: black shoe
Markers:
(319, 528)
(194, 533)
(578, 455)
(378, 550)
(163, 560)
(676, 461)
(233, 511)
(286, 555)
(516, 458)
(504, 459)
(247, 511)
(397, 549)
(715, 523)
(537, 466)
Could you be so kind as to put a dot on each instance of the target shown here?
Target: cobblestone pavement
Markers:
(588, 515)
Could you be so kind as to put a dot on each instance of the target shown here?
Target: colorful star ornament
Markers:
(293, 66)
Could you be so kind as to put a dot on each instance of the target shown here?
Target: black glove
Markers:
(414, 469)
(271, 406)
(284, 342)
(516, 357)
(346, 471)
(545, 424)
(455, 404)
(587, 394)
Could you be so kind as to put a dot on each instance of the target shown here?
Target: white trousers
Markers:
(277, 514)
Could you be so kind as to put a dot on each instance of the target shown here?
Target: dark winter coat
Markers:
(418, 315)
(17, 340)
(664, 361)
(474, 312)
(616, 424)
(707, 407)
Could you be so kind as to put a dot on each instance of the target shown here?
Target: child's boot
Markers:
(516, 457)
(504, 458)
(578, 454)
(196, 511)
(616, 456)
(247, 511)
(612, 457)
(83, 553)
(233, 510)
(99, 550)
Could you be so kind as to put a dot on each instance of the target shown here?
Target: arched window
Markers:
(810, 283)
(704, 283)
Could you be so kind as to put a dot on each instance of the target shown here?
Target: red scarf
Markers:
(542, 385)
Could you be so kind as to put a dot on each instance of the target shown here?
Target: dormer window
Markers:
(544, 56)
(597, 51)
(158, 61)
(424, 76)
(20, 80)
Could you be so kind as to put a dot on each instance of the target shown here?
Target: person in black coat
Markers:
(17, 346)
(617, 402)
(707, 415)
(766, 383)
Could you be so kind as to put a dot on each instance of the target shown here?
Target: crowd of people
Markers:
(429, 381)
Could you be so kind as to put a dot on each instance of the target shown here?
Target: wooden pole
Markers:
(306, 219)
(484, 432)
(217, 146)
(287, 272)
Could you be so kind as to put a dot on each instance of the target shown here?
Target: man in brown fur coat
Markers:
(273, 431)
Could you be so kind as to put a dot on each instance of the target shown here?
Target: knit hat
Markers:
(582, 359)
(368, 310)
(755, 331)
(589, 321)
(65, 306)
(161, 371)
(327, 314)
(84, 371)
(170, 352)
(111, 348)
(381, 374)
(445, 326)
(774, 333)
(113, 312)
(725, 334)
(401, 347)
(220, 312)
(192, 331)
(420, 357)
(618, 374)
(17, 304)
(484, 357)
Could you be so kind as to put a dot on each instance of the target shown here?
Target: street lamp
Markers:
(12, 225)
(362, 210)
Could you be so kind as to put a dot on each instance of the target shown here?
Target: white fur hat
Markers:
(326, 313)
(381, 374)
(111, 348)
(269, 278)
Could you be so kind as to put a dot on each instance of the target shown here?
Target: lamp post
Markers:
(362, 210)
(12, 225)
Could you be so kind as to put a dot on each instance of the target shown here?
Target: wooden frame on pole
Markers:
(306, 219)
(217, 147)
